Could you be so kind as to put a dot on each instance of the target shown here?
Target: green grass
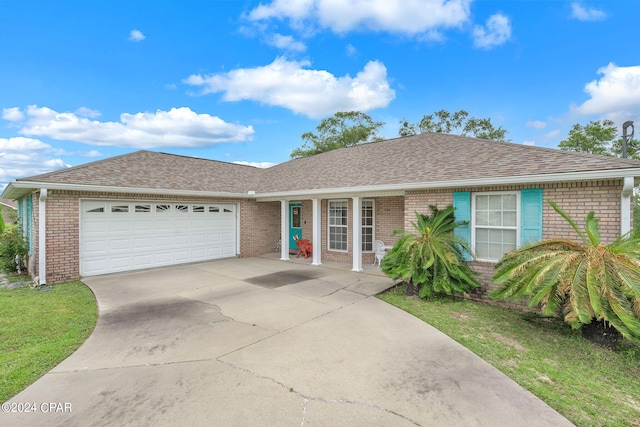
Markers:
(588, 384)
(40, 329)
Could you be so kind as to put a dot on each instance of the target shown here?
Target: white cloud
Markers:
(22, 157)
(616, 95)
(552, 134)
(12, 114)
(289, 84)
(285, 43)
(408, 17)
(179, 127)
(87, 112)
(351, 50)
(536, 124)
(261, 165)
(531, 143)
(496, 32)
(583, 14)
(136, 36)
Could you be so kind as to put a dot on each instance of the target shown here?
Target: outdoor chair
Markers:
(380, 250)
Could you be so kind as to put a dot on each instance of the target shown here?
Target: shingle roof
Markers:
(431, 157)
(148, 169)
(7, 202)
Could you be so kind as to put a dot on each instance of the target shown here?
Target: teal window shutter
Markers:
(462, 205)
(530, 216)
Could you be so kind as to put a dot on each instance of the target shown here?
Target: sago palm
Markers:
(432, 258)
(587, 280)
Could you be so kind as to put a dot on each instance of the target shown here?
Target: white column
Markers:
(42, 236)
(356, 231)
(625, 205)
(284, 230)
(317, 232)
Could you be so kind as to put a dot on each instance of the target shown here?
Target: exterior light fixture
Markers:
(626, 139)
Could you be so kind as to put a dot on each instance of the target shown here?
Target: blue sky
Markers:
(241, 81)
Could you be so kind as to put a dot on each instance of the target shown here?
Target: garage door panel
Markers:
(142, 226)
(143, 242)
(119, 226)
(162, 242)
(122, 236)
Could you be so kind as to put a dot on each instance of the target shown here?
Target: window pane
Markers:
(482, 202)
(163, 208)
(495, 203)
(495, 218)
(143, 208)
(482, 218)
(198, 208)
(495, 251)
(509, 219)
(119, 208)
(509, 237)
(482, 250)
(509, 202)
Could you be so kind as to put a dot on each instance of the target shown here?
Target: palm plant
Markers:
(587, 280)
(431, 259)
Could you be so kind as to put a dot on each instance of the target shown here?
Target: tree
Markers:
(587, 280)
(458, 122)
(343, 129)
(431, 259)
(594, 138)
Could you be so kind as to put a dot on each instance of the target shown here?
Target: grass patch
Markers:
(588, 384)
(39, 330)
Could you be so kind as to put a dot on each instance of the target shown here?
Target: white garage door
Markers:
(121, 236)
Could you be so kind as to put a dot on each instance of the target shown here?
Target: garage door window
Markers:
(163, 208)
(143, 208)
(119, 208)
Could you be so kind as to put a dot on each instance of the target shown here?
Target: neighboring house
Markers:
(148, 209)
(9, 210)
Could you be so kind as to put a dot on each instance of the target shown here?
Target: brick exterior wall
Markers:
(575, 198)
(259, 227)
(63, 228)
(260, 221)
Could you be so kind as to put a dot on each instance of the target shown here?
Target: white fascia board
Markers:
(462, 183)
(19, 188)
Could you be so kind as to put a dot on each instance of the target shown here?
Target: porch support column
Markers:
(625, 205)
(317, 232)
(284, 230)
(42, 236)
(356, 232)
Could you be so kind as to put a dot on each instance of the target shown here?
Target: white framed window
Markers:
(368, 221)
(495, 224)
(338, 225)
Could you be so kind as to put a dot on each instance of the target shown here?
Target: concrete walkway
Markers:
(261, 342)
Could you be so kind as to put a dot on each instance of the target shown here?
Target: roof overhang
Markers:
(396, 189)
(18, 189)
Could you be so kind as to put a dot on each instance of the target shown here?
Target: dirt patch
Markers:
(508, 341)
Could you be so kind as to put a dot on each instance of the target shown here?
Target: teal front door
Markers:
(295, 224)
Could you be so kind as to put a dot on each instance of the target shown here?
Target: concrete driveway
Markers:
(253, 342)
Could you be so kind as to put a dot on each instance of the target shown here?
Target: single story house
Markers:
(9, 210)
(149, 209)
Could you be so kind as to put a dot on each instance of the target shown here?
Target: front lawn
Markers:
(39, 330)
(588, 384)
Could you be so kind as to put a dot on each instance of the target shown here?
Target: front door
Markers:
(295, 224)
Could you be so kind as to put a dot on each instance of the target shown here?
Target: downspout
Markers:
(42, 237)
(625, 205)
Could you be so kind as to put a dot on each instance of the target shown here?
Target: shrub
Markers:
(586, 280)
(11, 244)
(431, 259)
